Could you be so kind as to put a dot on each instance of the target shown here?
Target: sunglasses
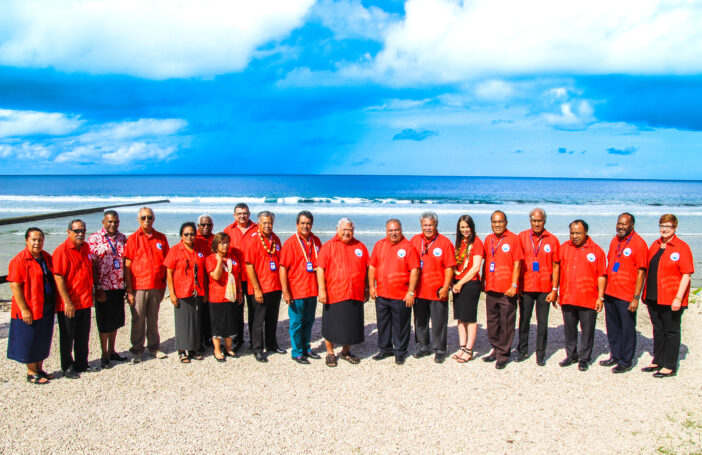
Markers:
(206, 224)
(189, 234)
(146, 217)
(78, 231)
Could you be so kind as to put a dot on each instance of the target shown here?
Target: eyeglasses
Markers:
(189, 234)
(146, 217)
(666, 226)
(78, 231)
(206, 224)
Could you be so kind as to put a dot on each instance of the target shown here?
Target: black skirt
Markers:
(224, 317)
(465, 303)
(342, 322)
(109, 315)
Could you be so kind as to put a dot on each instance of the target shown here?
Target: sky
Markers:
(545, 88)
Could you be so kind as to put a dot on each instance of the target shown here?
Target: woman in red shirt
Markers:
(33, 306)
(466, 289)
(667, 287)
(185, 275)
(224, 268)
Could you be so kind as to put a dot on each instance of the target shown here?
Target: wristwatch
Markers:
(411, 293)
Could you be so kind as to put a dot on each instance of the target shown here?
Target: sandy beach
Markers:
(242, 406)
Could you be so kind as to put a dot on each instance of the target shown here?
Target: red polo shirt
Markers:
(345, 266)
(295, 255)
(477, 250)
(257, 256)
(238, 240)
(542, 250)
(503, 252)
(393, 264)
(147, 253)
(675, 261)
(217, 288)
(209, 239)
(76, 268)
(435, 257)
(580, 270)
(631, 253)
(25, 270)
(184, 264)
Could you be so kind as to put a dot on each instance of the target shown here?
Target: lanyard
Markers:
(114, 250)
(536, 249)
(492, 245)
(307, 254)
(195, 268)
(619, 245)
(425, 247)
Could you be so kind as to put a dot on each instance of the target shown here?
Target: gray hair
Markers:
(266, 214)
(77, 220)
(393, 220)
(344, 221)
(429, 216)
(145, 208)
(537, 209)
(201, 217)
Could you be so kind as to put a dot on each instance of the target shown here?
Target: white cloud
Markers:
(15, 123)
(494, 90)
(117, 153)
(452, 41)
(127, 130)
(154, 39)
(350, 19)
(572, 116)
(24, 151)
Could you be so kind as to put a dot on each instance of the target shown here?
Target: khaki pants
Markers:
(145, 320)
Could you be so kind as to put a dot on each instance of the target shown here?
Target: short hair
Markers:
(393, 220)
(498, 211)
(241, 205)
(429, 215)
(187, 224)
(669, 218)
(266, 214)
(459, 235)
(633, 220)
(306, 214)
(110, 213)
(579, 221)
(204, 215)
(77, 220)
(145, 208)
(218, 238)
(344, 220)
(537, 209)
(33, 229)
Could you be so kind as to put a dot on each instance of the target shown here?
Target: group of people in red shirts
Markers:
(210, 276)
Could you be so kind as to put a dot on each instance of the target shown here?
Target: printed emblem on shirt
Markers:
(401, 253)
(359, 252)
(437, 252)
(591, 257)
(675, 257)
(199, 254)
(159, 246)
(316, 248)
(277, 247)
(627, 252)
(505, 247)
(547, 248)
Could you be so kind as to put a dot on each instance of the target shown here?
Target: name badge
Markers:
(273, 266)
(115, 264)
(421, 264)
(492, 266)
(535, 266)
(615, 267)
(309, 266)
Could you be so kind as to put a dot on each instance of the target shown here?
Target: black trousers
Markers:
(393, 318)
(264, 321)
(587, 318)
(666, 334)
(435, 311)
(74, 334)
(205, 325)
(526, 308)
(501, 314)
(239, 338)
(621, 330)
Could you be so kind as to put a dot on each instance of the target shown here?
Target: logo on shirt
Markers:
(505, 247)
(675, 257)
(359, 252)
(316, 248)
(199, 254)
(547, 248)
(277, 247)
(627, 252)
(437, 252)
(159, 246)
(591, 257)
(401, 253)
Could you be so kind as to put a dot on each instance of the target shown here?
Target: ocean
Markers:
(368, 200)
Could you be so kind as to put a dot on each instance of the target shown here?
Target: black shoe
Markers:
(88, 369)
(312, 355)
(439, 357)
(583, 365)
(260, 357)
(381, 355)
(399, 360)
(621, 369)
(522, 357)
(501, 365)
(277, 350)
(651, 369)
(70, 373)
(421, 353)
(237, 346)
(105, 363)
(658, 374)
(302, 360)
(221, 359)
(609, 362)
(118, 358)
(567, 362)
(489, 358)
(541, 362)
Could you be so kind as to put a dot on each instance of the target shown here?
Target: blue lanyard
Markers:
(493, 247)
(619, 245)
(114, 250)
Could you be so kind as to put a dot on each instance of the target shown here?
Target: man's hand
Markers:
(100, 295)
(598, 305)
(70, 310)
(551, 297)
(372, 292)
(409, 300)
(287, 297)
(131, 300)
(677, 304)
(258, 294)
(322, 297)
(174, 300)
(511, 292)
(634, 305)
(443, 292)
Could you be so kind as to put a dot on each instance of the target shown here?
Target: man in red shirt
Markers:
(437, 260)
(392, 279)
(538, 283)
(298, 260)
(240, 231)
(73, 272)
(145, 280)
(204, 238)
(262, 263)
(626, 269)
(205, 226)
(503, 256)
(582, 286)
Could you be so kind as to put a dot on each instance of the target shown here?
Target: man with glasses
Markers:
(626, 270)
(73, 272)
(503, 256)
(538, 283)
(145, 280)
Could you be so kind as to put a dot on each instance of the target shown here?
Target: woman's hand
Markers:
(27, 316)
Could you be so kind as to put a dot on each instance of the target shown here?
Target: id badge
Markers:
(309, 266)
(273, 266)
(535, 266)
(421, 264)
(492, 266)
(115, 264)
(615, 267)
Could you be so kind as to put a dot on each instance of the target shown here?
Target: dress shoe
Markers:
(312, 355)
(381, 355)
(105, 363)
(160, 354)
(541, 362)
(70, 373)
(669, 374)
(118, 358)
(583, 365)
(621, 369)
(399, 360)
(567, 362)
(260, 357)
(651, 369)
(522, 357)
(277, 350)
(608, 363)
(501, 364)
(489, 358)
(421, 353)
(302, 360)
(439, 357)
(136, 358)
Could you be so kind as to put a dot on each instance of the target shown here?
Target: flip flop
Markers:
(37, 379)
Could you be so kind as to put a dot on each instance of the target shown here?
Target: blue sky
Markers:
(439, 87)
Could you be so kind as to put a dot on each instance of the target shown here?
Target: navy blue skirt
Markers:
(32, 343)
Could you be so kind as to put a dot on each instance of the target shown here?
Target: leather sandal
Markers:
(37, 379)
(462, 359)
(184, 357)
(331, 360)
(458, 356)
